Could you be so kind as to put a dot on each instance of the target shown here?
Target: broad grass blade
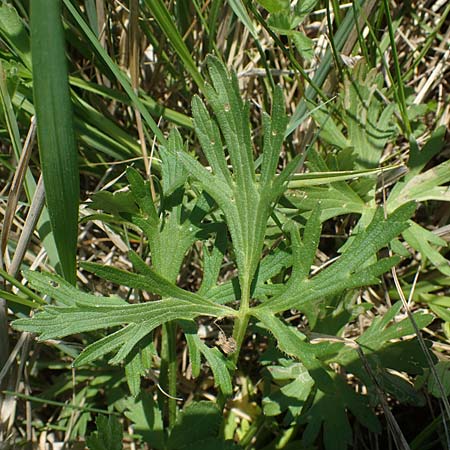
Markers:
(57, 147)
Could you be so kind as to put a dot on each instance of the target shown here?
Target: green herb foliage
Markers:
(236, 196)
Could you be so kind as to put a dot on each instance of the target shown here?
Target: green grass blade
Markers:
(120, 76)
(112, 94)
(326, 64)
(398, 71)
(13, 31)
(12, 125)
(58, 151)
(241, 12)
(166, 23)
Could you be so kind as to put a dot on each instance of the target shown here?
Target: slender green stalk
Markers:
(17, 284)
(400, 89)
(47, 401)
(168, 377)
(336, 11)
(336, 56)
(241, 322)
(213, 23)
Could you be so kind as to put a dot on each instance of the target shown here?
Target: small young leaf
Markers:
(196, 422)
(328, 129)
(212, 261)
(142, 195)
(108, 436)
(133, 373)
(174, 174)
(296, 385)
(146, 419)
(114, 203)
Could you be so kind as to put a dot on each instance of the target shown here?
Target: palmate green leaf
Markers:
(245, 201)
(351, 269)
(150, 282)
(329, 410)
(175, 216)
(334, 397)
(429, 185)
(57, 146)
(80, 312)
(296, 385)
(368, 120)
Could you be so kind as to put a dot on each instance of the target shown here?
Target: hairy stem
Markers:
(241, 322)
(168, 378)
